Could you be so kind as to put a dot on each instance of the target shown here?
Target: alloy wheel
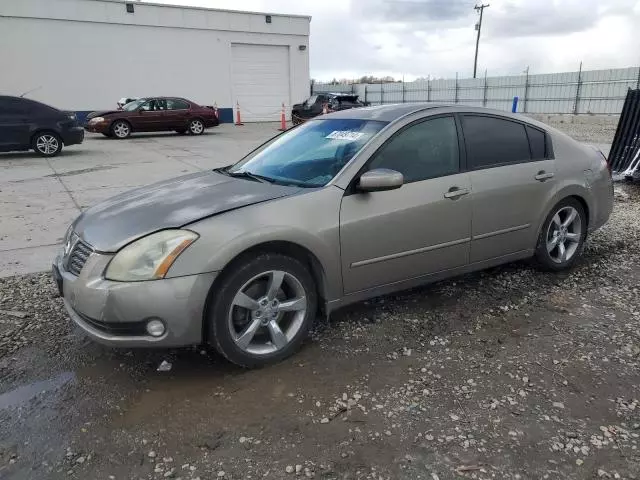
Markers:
(564, 234)
(47, 144)
(267, 312)
(196, 127)
(121, 130)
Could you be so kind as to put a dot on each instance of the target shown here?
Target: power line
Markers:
(479, 8)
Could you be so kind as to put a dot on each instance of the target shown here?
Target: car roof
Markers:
(390, 113)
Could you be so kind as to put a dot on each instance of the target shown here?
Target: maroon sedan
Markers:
(153, 115)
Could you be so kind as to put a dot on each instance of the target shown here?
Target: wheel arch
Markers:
(577, 193)
(283, 247)
(42, 130)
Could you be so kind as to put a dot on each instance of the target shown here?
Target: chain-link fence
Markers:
(581, 92)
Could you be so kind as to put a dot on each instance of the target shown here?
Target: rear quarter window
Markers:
(537, 142)
(493, 141)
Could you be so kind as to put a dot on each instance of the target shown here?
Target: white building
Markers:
(84, 55)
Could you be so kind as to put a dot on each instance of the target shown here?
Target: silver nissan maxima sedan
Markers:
(345, 207)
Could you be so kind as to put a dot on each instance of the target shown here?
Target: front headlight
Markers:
(150, 257)
(96, 120)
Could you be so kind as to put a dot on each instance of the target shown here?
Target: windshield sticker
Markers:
(345, 135)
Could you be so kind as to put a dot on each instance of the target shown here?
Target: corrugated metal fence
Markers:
(581, 92)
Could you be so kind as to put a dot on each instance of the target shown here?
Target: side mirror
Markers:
(379, 180)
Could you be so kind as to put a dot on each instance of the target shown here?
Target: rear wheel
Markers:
(196, 126)
(562, 236)
(121, 129)
(47, 144)
(263, 310)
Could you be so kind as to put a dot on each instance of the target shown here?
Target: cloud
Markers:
(416, 38)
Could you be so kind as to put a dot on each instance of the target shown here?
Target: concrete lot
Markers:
(40, 197)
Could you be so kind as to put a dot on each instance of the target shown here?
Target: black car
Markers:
(314, 105)
(26, 124)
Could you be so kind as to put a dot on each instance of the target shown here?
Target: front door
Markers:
(421, 228)
(512, 179)
(149, 117)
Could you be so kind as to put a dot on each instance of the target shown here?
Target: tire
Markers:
(182, 131)
(242, 312)
(121, 129)
(561, 234)
(196, 127)
(46, 144)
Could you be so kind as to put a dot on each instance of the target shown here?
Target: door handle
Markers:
(456, 192)
(542, 176)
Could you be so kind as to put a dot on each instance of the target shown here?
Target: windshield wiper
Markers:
(251, 176)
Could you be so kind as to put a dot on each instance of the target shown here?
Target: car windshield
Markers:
(311, 100)
(135, 105)
(309, 155)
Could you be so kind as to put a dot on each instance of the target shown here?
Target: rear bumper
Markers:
(73, 136)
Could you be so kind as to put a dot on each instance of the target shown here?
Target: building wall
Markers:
(84, 55)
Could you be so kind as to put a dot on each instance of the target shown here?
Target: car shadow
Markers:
(31, 154)
(135, 136)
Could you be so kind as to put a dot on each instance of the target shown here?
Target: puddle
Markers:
(21, 395)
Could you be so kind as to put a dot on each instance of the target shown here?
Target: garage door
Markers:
(260, 80)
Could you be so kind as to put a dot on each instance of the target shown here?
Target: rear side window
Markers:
(492, 141)
(13, 106)
(537, 143)
(177, 104)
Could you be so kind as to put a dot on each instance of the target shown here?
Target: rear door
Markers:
(512, 177)
(177, 113)
(421, 228)
(14, 123)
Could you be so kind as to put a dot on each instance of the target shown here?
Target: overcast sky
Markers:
(420, 38)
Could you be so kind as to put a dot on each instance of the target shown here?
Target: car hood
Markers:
(102, 113)
(174, 203)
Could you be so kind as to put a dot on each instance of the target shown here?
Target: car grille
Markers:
(78, 256)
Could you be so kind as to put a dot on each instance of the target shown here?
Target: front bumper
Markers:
(102, 127)
(116, 313)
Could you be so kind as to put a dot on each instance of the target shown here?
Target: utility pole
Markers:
(479, 8)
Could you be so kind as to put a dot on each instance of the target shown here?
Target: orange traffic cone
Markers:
(283, 120)
(238, 120)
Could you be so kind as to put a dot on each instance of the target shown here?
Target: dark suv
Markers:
(314, 105)
(26, 124)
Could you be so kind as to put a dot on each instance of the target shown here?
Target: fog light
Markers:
(155, 328)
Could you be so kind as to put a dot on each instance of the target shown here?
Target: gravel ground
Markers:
(507, 373)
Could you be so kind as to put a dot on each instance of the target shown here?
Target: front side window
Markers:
(492, 141)
(424, 150)
(135, 105)
(309, 155)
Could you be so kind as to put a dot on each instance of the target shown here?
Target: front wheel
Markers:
(47, 144)
(263, 310)
(562, 236)
(196, 126)
(121, 129)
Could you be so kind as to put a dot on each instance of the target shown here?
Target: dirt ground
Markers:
(510, 373)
